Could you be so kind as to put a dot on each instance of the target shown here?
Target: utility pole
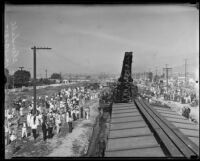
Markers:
(21, 68)
(150, 75)
(13, 81)
(185, 71)
(34, 71)
(156, 75)
(156, 71)
(46, 73)
(167, 70)
(60, 77)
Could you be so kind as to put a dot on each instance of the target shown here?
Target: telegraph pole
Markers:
(34, 72)
(13, 81)
(156, 71)
(156, 75)
(167, 70)
(21, 68)
(185, 71)
(46, 73)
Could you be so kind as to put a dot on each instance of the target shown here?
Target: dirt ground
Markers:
(76, 143)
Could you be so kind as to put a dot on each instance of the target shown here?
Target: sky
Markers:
(93, 39)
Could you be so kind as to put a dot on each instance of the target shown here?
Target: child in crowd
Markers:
(24, 130)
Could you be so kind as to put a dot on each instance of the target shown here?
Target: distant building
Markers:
(65, 81)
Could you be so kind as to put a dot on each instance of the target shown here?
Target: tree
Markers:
(21, 78)
(55, 76)
(11, 81)
(46, 81)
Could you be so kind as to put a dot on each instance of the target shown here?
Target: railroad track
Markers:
(139, 130)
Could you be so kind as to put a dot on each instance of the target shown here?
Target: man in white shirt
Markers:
(34, 124)
(28, 119)
(21, 111)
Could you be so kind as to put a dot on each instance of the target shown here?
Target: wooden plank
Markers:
(124, 111)
(122, 108)
(188, 142)
(172, 116)
(125, 105)
(153, 124)
(145, 152)
(167, 112)
(168, 144)
(192, 133)
(186, 126)
(195, 140)
(126, 125)
(164, 139)
(129, 132)
(126, 119)
(160, 108)
(131, 142)
(185, 121)
(170, 131)
(189, 148)
(116, 115)
(122, 104)
(165, 120)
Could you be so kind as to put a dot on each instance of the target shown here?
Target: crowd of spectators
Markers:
(156, 92)
(51, 114)
(172, 93)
